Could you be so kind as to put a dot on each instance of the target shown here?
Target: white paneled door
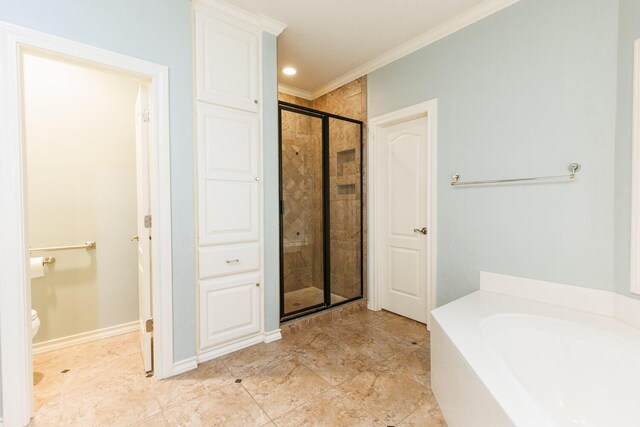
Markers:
(142, 238)
(405, 207)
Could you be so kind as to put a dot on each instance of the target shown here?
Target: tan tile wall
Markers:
(302, 175)
(350, 101)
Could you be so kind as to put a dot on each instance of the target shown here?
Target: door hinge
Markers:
(145, 116)
(148, 325)
(147, 221)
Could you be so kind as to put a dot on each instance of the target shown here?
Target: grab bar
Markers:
(87, 246)
(573, 168)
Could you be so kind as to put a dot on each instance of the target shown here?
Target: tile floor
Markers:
(365, 369)
(306, 297)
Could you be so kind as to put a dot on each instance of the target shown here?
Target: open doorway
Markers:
(83, 166)
(86, 141)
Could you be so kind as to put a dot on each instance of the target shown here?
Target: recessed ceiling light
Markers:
(289, 71)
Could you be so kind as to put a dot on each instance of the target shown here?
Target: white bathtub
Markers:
(498, 361)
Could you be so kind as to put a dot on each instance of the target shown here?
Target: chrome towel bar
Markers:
(573, 168)
(87, 246)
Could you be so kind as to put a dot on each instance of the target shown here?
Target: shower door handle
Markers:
(422, 230)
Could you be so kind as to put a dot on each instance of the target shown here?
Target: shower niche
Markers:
(320, 210)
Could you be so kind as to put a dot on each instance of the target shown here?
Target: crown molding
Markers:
(271, 25)
(227, 10)
(294, 91)
(471, 16)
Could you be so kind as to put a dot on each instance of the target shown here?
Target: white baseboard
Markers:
(185, 365)
(1, 422)
(272, 336)
(58, 343)
(210, 354)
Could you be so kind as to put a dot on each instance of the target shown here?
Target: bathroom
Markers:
(417, 213)
(81, 132)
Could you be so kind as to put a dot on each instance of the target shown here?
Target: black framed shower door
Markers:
(321, 211)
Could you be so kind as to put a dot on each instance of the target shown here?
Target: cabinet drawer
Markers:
(222, 260)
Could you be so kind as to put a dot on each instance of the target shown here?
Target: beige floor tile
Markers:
(156, 420)
(302, 338)
(332, 362)
(114, 406)
(50, 362)
(226, 406)
(427, 415)
(257, 358)
(405, 329)
(46, 388)
(117, 374)
(387, 395)
(369, 356)
(413, 364)
(284, 386)
(185, 387)
(329, 409)
(47, 414)
(374, 343)
(97, 352)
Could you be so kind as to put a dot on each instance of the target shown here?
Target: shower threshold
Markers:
(307, 297)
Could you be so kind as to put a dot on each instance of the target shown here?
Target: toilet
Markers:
(35, 323)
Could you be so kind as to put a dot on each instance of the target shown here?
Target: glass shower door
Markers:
(345, 209)
(302, 243)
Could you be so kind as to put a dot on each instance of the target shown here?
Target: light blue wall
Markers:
(629, 32)
(523, 92)
(271, 181)
(158, 31)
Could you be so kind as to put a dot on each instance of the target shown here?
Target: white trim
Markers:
(635, 177)
(229, 11)
(185, 365)
(209, 354)
(272, 336)
(98, 334)
(294, 91)
(429, 110)
(604, 303)
(267, 337)
(471, 16)
(15, 303)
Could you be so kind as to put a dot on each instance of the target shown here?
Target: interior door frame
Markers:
(376, 255)
(15, 294)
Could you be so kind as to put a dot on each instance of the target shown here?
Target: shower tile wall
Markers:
(302, 193)
(350, 101)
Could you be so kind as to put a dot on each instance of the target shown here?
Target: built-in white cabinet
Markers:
(230, 308)
(229, 175)
(229, 185)
(226, 63)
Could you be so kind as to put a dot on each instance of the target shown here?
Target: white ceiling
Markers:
(326, 39)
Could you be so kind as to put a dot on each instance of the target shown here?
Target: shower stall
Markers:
(321, 219)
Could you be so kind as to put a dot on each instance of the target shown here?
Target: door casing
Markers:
(15, 298)
(375, 211)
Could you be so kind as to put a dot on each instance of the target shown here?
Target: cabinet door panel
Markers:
(230, 310)
(228, 154)
(227, 64)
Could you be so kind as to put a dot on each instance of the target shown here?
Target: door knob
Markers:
(135, 238)
(422, 230)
